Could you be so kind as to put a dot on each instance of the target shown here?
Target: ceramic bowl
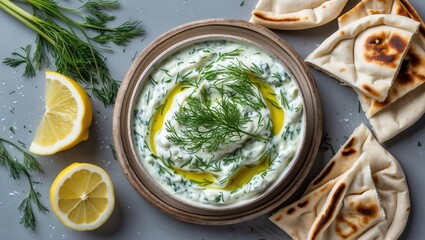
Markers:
(283, 187)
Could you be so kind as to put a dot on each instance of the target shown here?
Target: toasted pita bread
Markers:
(387, 175)
(400, 115)
(344, 208)
(412, 72)
(366, 54)
(364, 9)
(296, 14)
(410, 76)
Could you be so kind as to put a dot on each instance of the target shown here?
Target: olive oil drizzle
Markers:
(245, 173)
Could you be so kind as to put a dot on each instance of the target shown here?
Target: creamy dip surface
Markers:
(218, 122)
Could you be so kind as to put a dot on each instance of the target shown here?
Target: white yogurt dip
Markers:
(218, 122)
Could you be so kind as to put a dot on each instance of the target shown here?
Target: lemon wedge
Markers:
(67, 117)
(82, 196)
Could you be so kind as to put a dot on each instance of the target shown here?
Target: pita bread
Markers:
(296, 14)
(342, 209)
(400, 115)
(360, 159)
(387, 174)
(364, 9)
(412, 71)
(366, 54)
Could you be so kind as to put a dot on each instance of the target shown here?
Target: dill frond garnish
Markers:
(16, 169)
(207, 126)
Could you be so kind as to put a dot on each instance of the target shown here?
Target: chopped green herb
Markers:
(114, 152)
(359, 106)
(134, 56)
(327, 145)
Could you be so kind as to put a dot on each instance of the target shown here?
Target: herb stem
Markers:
(23, 17)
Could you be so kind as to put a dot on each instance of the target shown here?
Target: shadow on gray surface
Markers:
(112, 226)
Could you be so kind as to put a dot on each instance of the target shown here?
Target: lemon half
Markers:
(67, 117)
(82, 196)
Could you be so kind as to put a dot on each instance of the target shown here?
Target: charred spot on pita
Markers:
(413, 59)
(350, 143)
(326, 216)
(343, 232)
(324, 173)
(302, 204)
(348, 150)
(375, 11)
(263, 16)
(384, 51)
(368, 210)
(370, 90)
(383, 103)
(290, 211)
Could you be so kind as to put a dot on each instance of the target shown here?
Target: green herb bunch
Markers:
(16, 170)
(67, 42)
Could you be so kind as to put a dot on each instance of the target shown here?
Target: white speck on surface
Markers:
(346, 119)
(14, 193)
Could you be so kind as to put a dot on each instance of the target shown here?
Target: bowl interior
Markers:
(135, 80)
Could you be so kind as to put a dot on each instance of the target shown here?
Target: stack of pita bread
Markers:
(380, 53)
(296, 14)
(361, 194)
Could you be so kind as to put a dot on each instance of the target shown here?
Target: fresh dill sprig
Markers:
(203, 183)
(284, 99)
(68, 43)
(207, 126)
(16, 169)
(236, 77)
(229, 55)
(19, 59)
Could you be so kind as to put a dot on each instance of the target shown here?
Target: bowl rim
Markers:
(130, 90)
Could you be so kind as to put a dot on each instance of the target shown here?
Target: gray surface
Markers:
(134, 218)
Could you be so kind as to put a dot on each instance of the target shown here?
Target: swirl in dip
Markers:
(218, 122)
